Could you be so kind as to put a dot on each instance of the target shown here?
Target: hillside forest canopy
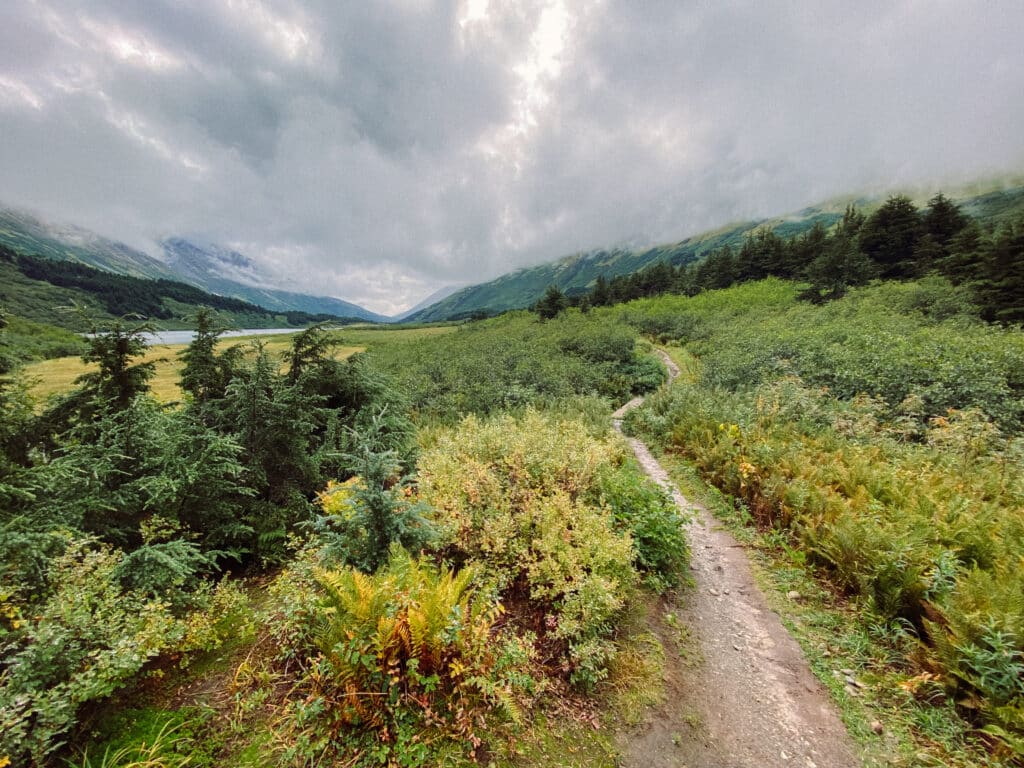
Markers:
(895, 242)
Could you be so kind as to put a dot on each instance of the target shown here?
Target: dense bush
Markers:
(526, 501)
(90, 637)
(516, 361)
(661, 551)
(119, 512)
(890, 341)
(389, 656)
(888, 443)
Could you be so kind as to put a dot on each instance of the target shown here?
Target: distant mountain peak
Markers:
(439, 295)
(227, 272)
(213, 268)
(201, 260)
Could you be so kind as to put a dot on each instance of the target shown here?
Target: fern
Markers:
(409, 646)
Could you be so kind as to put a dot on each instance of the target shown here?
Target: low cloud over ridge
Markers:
(376, 151)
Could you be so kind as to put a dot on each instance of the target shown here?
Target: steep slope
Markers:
(575, 274)
(26, 233)
(209, 267)
(990, 202)
(999, 207)
(434, 298)
(229, 273)
(50, 290)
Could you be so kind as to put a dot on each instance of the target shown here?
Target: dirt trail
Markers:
(744, 695)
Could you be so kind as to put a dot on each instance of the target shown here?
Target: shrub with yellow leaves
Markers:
(515, 498)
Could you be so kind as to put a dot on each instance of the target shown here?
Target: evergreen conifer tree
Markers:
(552, 303)
(889, 236)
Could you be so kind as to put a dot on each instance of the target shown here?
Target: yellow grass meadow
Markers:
(57, 376)
(54, 377)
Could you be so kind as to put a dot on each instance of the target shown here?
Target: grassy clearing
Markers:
(371, 336)
(57, 376)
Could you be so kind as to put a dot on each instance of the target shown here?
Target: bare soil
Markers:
(740, 693)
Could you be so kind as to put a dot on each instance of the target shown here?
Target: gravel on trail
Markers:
(744, 696)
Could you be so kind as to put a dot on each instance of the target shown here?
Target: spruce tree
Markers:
(1000, 289)
(889, 235)
(202, 374)
(943, 221)
(552, 303)
(964, 262)
(119, 380)
(840, 266)
(600, 296)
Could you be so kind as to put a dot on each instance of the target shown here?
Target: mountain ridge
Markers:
(29, 234)
(76, 296)
(993, 202)
(230, 273)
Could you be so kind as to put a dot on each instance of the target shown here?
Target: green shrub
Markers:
(87, 640)
(92, 636)
(372, 510)
(519, 498)
(393, 655)
(653, 520)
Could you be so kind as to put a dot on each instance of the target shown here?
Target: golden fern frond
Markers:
(420, 637)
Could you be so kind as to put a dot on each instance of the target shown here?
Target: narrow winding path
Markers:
(744, 695)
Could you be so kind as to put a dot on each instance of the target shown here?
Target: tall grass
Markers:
(885, 436)
(516, 361)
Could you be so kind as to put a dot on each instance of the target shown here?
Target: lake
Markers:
(184, 337)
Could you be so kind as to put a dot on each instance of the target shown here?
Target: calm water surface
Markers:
(184, 337)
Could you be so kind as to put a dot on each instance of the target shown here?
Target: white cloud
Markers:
(380, 150)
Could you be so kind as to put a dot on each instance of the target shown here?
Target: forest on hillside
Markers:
(33, 284)
(896, 242)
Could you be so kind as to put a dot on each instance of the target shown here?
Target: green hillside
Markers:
(576, 274)
(48, 291)
(573, 274)
(188, 263)
(26, 234)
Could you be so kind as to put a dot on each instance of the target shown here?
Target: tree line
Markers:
(232, 470)
(123, 295)
(896, 242)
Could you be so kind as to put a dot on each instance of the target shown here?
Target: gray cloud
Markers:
(376, 151)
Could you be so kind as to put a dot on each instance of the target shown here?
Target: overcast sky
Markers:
(377, 150)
